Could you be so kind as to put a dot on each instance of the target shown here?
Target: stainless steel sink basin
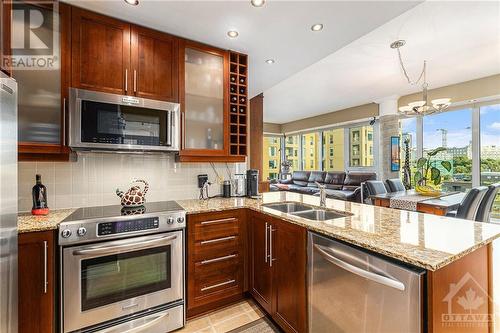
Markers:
(288, 207)
(305, 211)
(320, 214)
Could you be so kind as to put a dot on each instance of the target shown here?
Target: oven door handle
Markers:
(123, 245)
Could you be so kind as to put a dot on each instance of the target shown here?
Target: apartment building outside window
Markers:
(292, 146)
(310, 151)
(361, 146)
(271, 157)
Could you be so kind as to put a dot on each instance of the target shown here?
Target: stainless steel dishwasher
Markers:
(351, 290)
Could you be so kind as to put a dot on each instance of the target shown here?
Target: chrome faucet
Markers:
(322, 194)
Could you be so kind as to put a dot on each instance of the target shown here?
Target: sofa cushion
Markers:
(334, 180)
(285, 181)
(316, 176)
(354, 179)
(300, 178)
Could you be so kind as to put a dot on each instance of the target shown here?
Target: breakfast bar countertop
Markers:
(423, 240)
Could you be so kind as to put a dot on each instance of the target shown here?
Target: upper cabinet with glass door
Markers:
(38, 65)
(204, 75)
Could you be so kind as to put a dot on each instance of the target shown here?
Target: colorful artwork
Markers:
(395, 153)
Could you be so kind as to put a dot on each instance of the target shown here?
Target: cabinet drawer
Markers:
(223, 283)
(216, 228)
(214, 265)
(215, 247)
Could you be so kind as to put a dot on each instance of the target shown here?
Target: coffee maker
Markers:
(253, 183)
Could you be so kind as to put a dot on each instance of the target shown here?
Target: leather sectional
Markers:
(339, 185)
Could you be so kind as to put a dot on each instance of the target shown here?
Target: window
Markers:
(333, 150)
(453, 131)
(271, 156)
(292, 151)
(310, 151)
(490, 151)
(361, 146)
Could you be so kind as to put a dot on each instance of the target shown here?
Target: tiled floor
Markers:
(224, 320)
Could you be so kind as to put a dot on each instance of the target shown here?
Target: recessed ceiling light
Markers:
(232, 33)
(317, 27)
(270, 61)
(258, 3)
(132, 2)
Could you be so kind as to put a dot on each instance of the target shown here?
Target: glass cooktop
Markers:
(87, 213)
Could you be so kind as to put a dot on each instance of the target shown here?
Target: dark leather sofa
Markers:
(339, 185)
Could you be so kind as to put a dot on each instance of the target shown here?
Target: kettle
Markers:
(134, 197)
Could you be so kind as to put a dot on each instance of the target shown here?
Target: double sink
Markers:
(305, 211)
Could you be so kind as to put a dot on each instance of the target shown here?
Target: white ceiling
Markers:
(280, 30)
(460, 41)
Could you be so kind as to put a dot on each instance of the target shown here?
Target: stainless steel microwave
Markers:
(102, 121)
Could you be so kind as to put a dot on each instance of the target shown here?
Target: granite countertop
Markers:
(423, 240)
(31, 223)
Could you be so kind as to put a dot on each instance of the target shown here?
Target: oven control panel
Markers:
(109, 228)
(81, 231)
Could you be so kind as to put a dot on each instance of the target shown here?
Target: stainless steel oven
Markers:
(102, 121)
(115, 285)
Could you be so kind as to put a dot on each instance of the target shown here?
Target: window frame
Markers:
(475, 108)
(346, 128)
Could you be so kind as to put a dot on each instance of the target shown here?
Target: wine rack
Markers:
(238, 103)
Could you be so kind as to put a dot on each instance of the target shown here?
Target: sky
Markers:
(458, 123)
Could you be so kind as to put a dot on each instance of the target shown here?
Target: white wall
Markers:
(93, 179)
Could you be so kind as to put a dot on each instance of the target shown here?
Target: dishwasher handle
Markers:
(359, 271)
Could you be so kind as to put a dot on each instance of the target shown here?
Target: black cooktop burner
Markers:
(97, 212)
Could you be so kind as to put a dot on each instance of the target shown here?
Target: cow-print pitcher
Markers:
(134, 197)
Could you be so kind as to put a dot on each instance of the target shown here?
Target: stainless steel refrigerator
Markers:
(8, 204)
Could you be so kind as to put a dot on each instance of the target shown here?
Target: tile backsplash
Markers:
(94, 178)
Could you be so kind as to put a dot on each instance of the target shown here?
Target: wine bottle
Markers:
(39, 194)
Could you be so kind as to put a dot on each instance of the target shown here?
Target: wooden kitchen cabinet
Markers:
(290, 264)
(42, 117)
(154, 64)
(261, 278)
(203, 80)
(117, 57)
(36, 271)
(100, 53)
(216, 260)
(278, 270)
(213, 104)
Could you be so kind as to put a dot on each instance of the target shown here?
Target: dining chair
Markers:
(395, 185)
(470, 204)
(484, 211)
(374, 187)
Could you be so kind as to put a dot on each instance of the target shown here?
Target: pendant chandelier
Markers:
(422, 107)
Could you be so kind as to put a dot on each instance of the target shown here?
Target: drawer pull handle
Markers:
(217, 285)
(231, 219)
(209, 261)
(217, 240)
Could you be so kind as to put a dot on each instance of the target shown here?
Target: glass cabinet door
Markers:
(204, 100)
(39, 95)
